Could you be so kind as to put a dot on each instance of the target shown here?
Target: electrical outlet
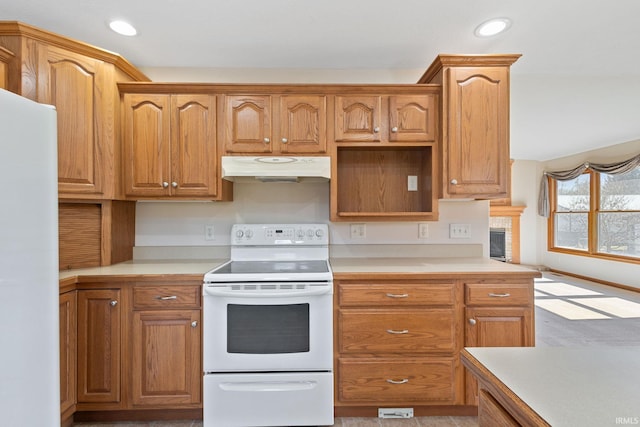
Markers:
(358, 231)
(412, 183)
(423, 230)
(459, 231)
(209, 233)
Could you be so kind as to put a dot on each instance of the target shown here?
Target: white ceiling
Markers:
(576, 87)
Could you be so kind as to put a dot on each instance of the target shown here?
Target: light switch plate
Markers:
(459, 231)
(358, 231)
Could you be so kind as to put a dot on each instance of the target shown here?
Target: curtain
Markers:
(608, 168)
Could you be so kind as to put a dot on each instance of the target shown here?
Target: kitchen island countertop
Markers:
(564, 386)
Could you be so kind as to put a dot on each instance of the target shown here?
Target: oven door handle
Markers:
(260, 386)
(265, 294)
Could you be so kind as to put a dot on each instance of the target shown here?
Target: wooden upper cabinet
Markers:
(478, 149)
(412, 118)
(475, 120)
(73, 85)
(381, 119)
(275, 124)
(247, 124)
(81, 82)
(5, 57)
(170, 145)
(358, 118)
(303, 124)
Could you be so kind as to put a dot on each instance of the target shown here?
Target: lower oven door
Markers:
(268, 333)
(274, 399)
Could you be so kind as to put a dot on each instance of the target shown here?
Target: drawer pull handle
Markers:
(398, 295)
(494, 295)
(167, 298)
(391, 331)
(472, 321)
(402, 381)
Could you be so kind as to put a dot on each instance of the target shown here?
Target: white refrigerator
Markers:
(29, 343)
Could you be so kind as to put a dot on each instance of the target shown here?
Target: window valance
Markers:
(566, 175)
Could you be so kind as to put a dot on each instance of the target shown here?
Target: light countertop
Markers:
(339, 265)
(570, 386)
(147, 267)
(425, 265)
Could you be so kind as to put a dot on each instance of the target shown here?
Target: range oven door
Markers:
(268, 331)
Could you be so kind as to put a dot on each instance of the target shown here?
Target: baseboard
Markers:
(602, 282)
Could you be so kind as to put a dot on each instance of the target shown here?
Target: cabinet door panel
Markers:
(166, 357)
(358, 118)
(478, 148)
(72, 83)
(146, 145)
(412, 118)
(193, 153)
(248, 124)
(303, 124)
(68, 350)
(99, 345)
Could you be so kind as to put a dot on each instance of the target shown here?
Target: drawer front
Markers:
(166, 296)
(396, 331)
(397, 380)
(396, 295)
(507, 294)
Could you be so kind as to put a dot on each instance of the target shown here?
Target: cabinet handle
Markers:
(194, 323)
(167, 297)
(398, 295)
(391, 331)
(376, 129)
(394, 129)
(113, 303)
(505, 295)
(165, 184)
(285, 140)
(174, 184)
(472, 321)
(454, 182)
(402, 381)
(267, 140)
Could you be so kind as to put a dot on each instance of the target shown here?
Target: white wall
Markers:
(612, 271)
(183, 223)
(524, 190)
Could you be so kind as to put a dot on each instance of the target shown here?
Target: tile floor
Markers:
(569, 311)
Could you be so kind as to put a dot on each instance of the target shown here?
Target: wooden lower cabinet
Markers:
(396, 344)
(68, 351)
(99, 346)
(398, 338)
(138, 350)
(165, 345)
(498, 314)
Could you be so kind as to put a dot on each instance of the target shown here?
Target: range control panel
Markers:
(279, 234)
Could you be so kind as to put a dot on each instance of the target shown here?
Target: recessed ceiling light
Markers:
(123, 28)
(492, 27)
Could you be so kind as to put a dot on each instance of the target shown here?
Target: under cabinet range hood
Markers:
(276, 168)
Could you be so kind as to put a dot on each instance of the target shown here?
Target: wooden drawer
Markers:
(502, 294)
(166, 296)
(396, 331)
(397, 380)
(437, 294)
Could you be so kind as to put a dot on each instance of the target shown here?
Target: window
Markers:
(597, 214)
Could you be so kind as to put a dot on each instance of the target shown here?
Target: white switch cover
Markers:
(358, 231)
(209, 233)
(459, 231)
(423, 230)
(412, 183)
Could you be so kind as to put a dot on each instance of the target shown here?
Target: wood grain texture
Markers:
(68, 351)
(398, 295)
(80, 235)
